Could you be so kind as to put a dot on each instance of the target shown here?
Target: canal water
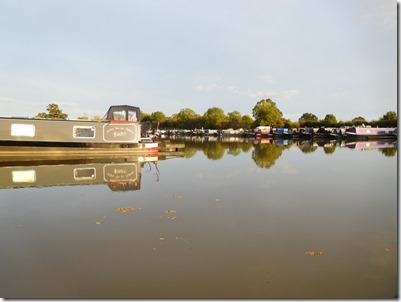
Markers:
(228, 219)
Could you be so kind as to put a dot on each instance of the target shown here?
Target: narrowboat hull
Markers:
(32, 130)
(12, 153)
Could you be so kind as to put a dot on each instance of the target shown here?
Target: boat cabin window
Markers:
(119, 115)
(132, 116)
(123, 113)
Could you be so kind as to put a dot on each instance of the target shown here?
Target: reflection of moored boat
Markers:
(364, 145)
(122, 174)
(120, 128)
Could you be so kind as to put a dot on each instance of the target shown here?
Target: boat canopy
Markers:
(123, 113)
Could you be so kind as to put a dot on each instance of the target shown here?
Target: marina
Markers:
(343, 133)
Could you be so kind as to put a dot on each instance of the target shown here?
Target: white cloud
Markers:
(208, 87)
(215, 85)
(288, 94)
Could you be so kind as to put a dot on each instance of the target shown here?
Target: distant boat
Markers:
(367, 132)
(120, 128)
(263, 131)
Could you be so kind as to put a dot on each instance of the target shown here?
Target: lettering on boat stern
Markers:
(119, 133)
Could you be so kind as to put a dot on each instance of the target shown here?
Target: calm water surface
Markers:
(233, 219)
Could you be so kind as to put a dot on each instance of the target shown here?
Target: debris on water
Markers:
(101, 220)
(315, 254)
(178, 196)
(168, 217)
(127, 209)
(181, 238)
(387, 249)
(155, 249)
(170, 211)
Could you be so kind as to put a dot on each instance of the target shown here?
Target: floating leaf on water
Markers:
(170, 211)
(162, 238)
(127, 209)
(98, 222)
(315, 254)
(168, 217)
(181, 238)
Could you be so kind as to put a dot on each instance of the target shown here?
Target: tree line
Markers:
(264, 113)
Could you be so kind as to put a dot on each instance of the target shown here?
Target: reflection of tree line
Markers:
(264, 154)
(215, 149)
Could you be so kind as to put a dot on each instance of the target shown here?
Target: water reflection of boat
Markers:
(364, 145)
(122, 174)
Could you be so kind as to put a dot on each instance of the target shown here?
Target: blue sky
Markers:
(320, 56)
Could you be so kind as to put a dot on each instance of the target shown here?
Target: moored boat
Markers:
(263, 131)
(368, 132)
(120, 128)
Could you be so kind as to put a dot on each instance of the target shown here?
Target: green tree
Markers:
(330, 120)
(266, 113)
(234, 120)
(389, 116)
(287, 123)
(358, 120)
(158, 116)
(53, 111)
(308, 120)
(145, 116)
(214, 118)
(187, 119)
(246, 121)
